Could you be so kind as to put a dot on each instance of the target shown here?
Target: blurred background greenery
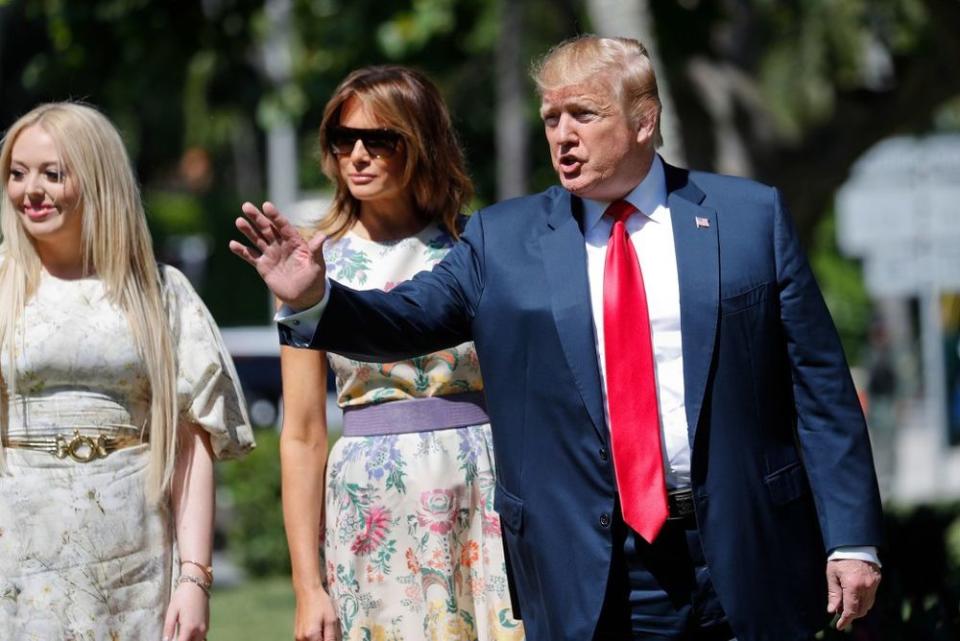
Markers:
(206, 91)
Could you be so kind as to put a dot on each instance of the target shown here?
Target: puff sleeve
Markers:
(208, 389)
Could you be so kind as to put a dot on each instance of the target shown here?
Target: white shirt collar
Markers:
(649, 197)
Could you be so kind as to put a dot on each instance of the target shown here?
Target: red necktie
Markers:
(631, 384)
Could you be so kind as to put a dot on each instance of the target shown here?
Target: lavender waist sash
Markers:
(415, 415)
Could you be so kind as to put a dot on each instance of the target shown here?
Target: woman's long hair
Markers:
(434, 169)
(116, 247)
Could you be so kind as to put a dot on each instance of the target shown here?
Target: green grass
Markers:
(257, 610)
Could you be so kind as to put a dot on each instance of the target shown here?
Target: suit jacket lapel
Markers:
(698, 264)
(565, 262)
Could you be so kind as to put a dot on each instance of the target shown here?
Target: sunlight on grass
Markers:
(258, 610)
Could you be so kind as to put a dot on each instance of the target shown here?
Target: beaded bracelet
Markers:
(197, 581)
(206, 569)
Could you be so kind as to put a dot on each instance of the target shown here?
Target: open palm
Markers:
(290, 265)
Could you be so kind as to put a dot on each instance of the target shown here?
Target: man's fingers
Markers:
(243, 252)
(852, 587)
(270, 211)
(256, 219)
(846, 618)
(315, 244)
(263, 225)
(256, 238)
(852, 607)
(834, 592)
(250, 209)
(282, 226)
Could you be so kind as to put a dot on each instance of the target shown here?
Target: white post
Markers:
(934, 374)
(281, 136)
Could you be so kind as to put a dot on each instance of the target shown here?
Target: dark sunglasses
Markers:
(378, 142)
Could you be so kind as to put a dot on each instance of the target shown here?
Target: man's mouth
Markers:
(569, 162)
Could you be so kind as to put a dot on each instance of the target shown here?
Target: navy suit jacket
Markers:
(781, 465)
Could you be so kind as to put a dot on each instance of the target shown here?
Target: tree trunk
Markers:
(512, 129)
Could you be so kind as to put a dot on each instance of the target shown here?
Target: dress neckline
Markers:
(44, 274)
(428, 231)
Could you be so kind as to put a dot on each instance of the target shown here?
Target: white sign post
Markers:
(900, 213)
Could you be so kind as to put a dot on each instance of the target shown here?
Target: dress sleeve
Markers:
(208, 389)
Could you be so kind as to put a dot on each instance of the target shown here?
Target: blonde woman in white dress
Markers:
(117, 394)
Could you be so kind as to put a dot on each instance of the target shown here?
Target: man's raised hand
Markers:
(291, 266)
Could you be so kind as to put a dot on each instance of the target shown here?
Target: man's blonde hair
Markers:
(622, 63)
(116, 247)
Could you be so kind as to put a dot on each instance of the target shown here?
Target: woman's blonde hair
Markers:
(116, 247)
(622, 63)
(434, 169)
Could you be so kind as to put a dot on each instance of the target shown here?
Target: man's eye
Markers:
(550, 120)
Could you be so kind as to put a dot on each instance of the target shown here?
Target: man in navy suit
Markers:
(680, 451)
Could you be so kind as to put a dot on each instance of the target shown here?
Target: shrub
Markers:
(255, 535)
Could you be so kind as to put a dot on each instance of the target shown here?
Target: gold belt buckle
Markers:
(81, 448)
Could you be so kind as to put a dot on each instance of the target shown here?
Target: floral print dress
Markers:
(412, 544)
(83, 555)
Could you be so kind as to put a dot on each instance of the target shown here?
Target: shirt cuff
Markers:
(304, 323)
(857, 552)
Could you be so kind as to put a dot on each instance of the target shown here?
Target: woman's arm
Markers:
(188, 614)
(303, 461)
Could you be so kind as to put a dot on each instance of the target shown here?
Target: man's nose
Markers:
(567, 129)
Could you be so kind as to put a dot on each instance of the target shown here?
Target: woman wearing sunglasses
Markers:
(411, 542)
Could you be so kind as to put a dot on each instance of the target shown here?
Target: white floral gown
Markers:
(412, 544)
(83, 555)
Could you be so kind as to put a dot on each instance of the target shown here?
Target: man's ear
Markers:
(647, 127)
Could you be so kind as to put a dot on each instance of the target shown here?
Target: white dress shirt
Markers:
(651, 233)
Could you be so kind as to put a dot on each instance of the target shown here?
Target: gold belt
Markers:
(82, 448)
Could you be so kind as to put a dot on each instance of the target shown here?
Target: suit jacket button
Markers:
(604, 520)
(603, 454)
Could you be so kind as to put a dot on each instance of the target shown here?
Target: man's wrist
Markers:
(301, 325)
(866, 553)
(311, 299)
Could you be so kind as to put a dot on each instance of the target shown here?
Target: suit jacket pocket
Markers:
(745, 300)
(510, 509)
(787, 484)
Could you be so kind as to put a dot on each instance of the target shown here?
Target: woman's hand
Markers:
(316, 619)
(188, 615)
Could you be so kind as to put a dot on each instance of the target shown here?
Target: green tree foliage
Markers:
(842, 282)
(134, 59)
(795, 92)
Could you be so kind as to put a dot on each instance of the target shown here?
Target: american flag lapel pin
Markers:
(702, 223)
